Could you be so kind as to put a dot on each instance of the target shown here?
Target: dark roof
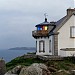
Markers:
(57, 24)
(44, 23)
(59, 21)
(62, 21)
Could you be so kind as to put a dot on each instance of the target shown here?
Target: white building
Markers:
(56, 38)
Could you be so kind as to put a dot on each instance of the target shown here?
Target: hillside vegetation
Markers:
(64, 66)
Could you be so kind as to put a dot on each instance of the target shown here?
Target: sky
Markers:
(19, 17)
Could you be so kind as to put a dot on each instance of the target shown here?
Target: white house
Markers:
(56, 38)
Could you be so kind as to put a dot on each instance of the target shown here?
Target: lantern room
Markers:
(42, 29)
(43, 26)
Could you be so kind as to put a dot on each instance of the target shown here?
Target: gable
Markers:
(62, 21)
(67, 24)
(64, 37)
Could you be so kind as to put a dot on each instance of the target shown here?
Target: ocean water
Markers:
(8, 55)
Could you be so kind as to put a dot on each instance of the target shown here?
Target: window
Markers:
(41, 46)
(50, 46)
(36, 46)
(42, 28)
(72, 31)
(45, 27)
(39, 28)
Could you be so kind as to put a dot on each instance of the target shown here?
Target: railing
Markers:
(40, 33)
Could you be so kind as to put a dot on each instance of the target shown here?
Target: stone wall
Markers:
(45, 58)
(2, 67)
(56, 44)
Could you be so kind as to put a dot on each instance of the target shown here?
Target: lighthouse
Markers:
(43, 38)
(51, 37)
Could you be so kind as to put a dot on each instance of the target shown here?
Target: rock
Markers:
(2, 67)
(31, 70)
(72, 72)
(23, 71)
(14, 71)
(11, 74)
(45, 72)
(35, 69)
(62, 72)
(52, 69)
(42, 66)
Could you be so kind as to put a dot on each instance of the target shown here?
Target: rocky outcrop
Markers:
(52, 69)
(2, 67)
(72, 72)
(11, 74)
(39, 69)
(14, 71)
(35, 69)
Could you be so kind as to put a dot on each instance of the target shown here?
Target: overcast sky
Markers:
(19, 17)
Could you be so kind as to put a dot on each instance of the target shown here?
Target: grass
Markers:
(66, 64)
(22, 61)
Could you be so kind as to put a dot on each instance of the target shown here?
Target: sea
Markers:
(8, 55)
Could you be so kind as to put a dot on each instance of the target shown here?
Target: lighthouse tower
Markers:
(43, 39)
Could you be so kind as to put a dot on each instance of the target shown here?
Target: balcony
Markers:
(40, 33)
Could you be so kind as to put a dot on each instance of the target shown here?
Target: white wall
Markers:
(67, 53)
(64, 40)
(46, 46)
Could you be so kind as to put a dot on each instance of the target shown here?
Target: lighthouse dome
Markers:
(44, 23)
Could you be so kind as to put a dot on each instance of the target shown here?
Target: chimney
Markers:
(70, 11)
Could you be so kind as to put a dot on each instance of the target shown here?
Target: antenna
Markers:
(45, 15)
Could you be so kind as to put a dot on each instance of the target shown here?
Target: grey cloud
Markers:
(19, 17)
